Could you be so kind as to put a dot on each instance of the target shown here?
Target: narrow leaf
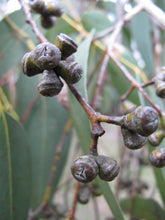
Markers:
(44, 125)
(15, 172)
(110, 199)
(80, 119)
(144, 208)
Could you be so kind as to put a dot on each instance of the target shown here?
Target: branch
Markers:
(31, 21)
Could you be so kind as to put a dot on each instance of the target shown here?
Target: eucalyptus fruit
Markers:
(47, 21)
(132, 140)
(47, 8)
(143, 120)
(50, 84)
(128, 106)
(160, 83)
(157, 158)
(84, 168)
(71, 72)
(156, 138)
(108, 168)
(28, 65)
(46, 56)
(66, 45)
(83, 194)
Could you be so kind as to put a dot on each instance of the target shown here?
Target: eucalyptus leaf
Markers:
(144, 208)
(15, 172)
(141, 29)
(44, 125)
(95, 20)
(12, 45)
(80, 119)
(110, 199)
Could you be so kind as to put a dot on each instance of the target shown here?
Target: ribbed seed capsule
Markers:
(144, 120)
(46, 56)
(108, 168)
(84, 168)
(157, 158)
(160, 83)
(47, 21)
(128, 106)
(71, 72)
(50, 84)
(53, 7)
(96, 191)
(37, 6)
(66, 45)
(132, 140)
(48, 7)
(83, 194)
(156, 138)
(28, 66)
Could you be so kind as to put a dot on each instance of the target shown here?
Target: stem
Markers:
(31, 21)
(125, 96)
(92, 115)
(72, 212)
(135, 84)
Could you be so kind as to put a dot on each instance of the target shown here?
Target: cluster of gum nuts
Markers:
(136, 141)
(54, 62)
(136, 126)
(48, 10)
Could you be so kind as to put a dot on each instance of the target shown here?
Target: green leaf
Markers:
(80, 119)
(15, 172)
(110, 199)
(141, 32)
(12, 45)
(44, 125)
(144, 208)
(95, 20)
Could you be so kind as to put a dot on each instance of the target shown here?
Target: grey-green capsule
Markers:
(84, 168)
(156, 138)
(133, 140)
(50, 84)
(157, 158)
(66, 45)
(46, 56)
(71, 72)
(108, 168)
(143, 120)
(47, 21)
(28, 66)
(83, 194)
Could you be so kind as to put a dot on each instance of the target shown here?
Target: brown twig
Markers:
(29, 109)
(125, 96)
(31, 21)
(134, 83)
(72, 212)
